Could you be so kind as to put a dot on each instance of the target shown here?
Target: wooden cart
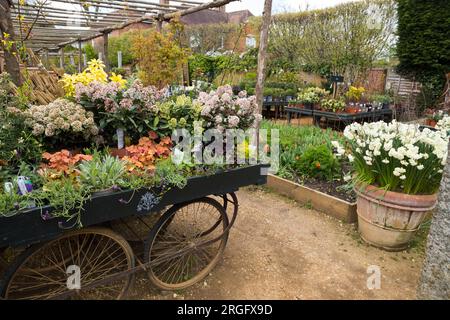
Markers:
(177, 239)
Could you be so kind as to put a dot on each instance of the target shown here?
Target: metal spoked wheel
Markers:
(186, 243)
(41, 271)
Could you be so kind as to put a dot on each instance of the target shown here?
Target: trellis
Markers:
(46, 28)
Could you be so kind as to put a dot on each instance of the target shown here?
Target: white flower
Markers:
(420, 167)
(335, 144)
(385, 160)
(350, 158)
(403, 177)
(399, 171)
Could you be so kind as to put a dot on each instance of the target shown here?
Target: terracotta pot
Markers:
(351, 110)
(431, 123)
(389, 220)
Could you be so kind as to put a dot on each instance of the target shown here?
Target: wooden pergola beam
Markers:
(99, 29)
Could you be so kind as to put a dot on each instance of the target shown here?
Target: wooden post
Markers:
(79, 57)
(105, 51)
(61, 58)
(84, 60)
(263, 41)
(47, 62)
(10, 56)
(159, 24)
(159, 21)
(119, 59)
(72, 59)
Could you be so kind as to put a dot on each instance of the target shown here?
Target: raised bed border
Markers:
(330, 205)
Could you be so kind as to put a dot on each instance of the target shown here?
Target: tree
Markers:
(8, 43)
(346, 39)
(264, 38)
(423, 45)
(160, 56)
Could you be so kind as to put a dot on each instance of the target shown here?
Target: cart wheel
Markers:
(41, 271)
(186, 243)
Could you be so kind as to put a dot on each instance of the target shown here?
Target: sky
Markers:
(256, 6)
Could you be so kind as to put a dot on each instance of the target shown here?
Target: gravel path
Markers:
(281, 250)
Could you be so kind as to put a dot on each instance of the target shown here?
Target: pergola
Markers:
(49, 25)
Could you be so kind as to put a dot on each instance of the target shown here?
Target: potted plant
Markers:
(433, 118)
(333, 105)
(397, 171)
(103, 174)
(355, 94)
(352, 108)
(383, 100)
(310, 96)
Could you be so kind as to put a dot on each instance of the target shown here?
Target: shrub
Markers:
(120, 43)
(318, 162)
(160, 57)
(62, 122)
(17, 144)
(223, 110)
(295, 141)
(423, 46)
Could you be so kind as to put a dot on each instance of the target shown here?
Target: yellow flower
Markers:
(94, 72)
(118, 79)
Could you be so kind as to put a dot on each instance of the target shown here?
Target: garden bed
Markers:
(328, 204)
(331, 188)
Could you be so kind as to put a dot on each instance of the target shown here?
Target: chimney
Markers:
(222, 8)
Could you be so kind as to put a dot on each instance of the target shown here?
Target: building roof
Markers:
(216, 16)
(239, 16)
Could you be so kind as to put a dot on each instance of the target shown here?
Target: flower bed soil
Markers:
(330, 188)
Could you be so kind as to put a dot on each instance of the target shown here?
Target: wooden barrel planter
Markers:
(389, 220)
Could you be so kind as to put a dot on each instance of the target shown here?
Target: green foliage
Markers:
(66, 198)
(318, 162)
(423, 45)
(17, 144)
(180, 112)
(169, 174)
(333, 105)
(90, 52)
(295, 141)
(119, 71)
(207, 68)
(382, 98)
(160, 56)
(102, 172)
(338, 40)
(12, 203)
(122, 43)
(311, 95)
(202, 67)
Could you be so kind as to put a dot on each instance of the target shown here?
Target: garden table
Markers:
(278, 105)
(343, 118)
